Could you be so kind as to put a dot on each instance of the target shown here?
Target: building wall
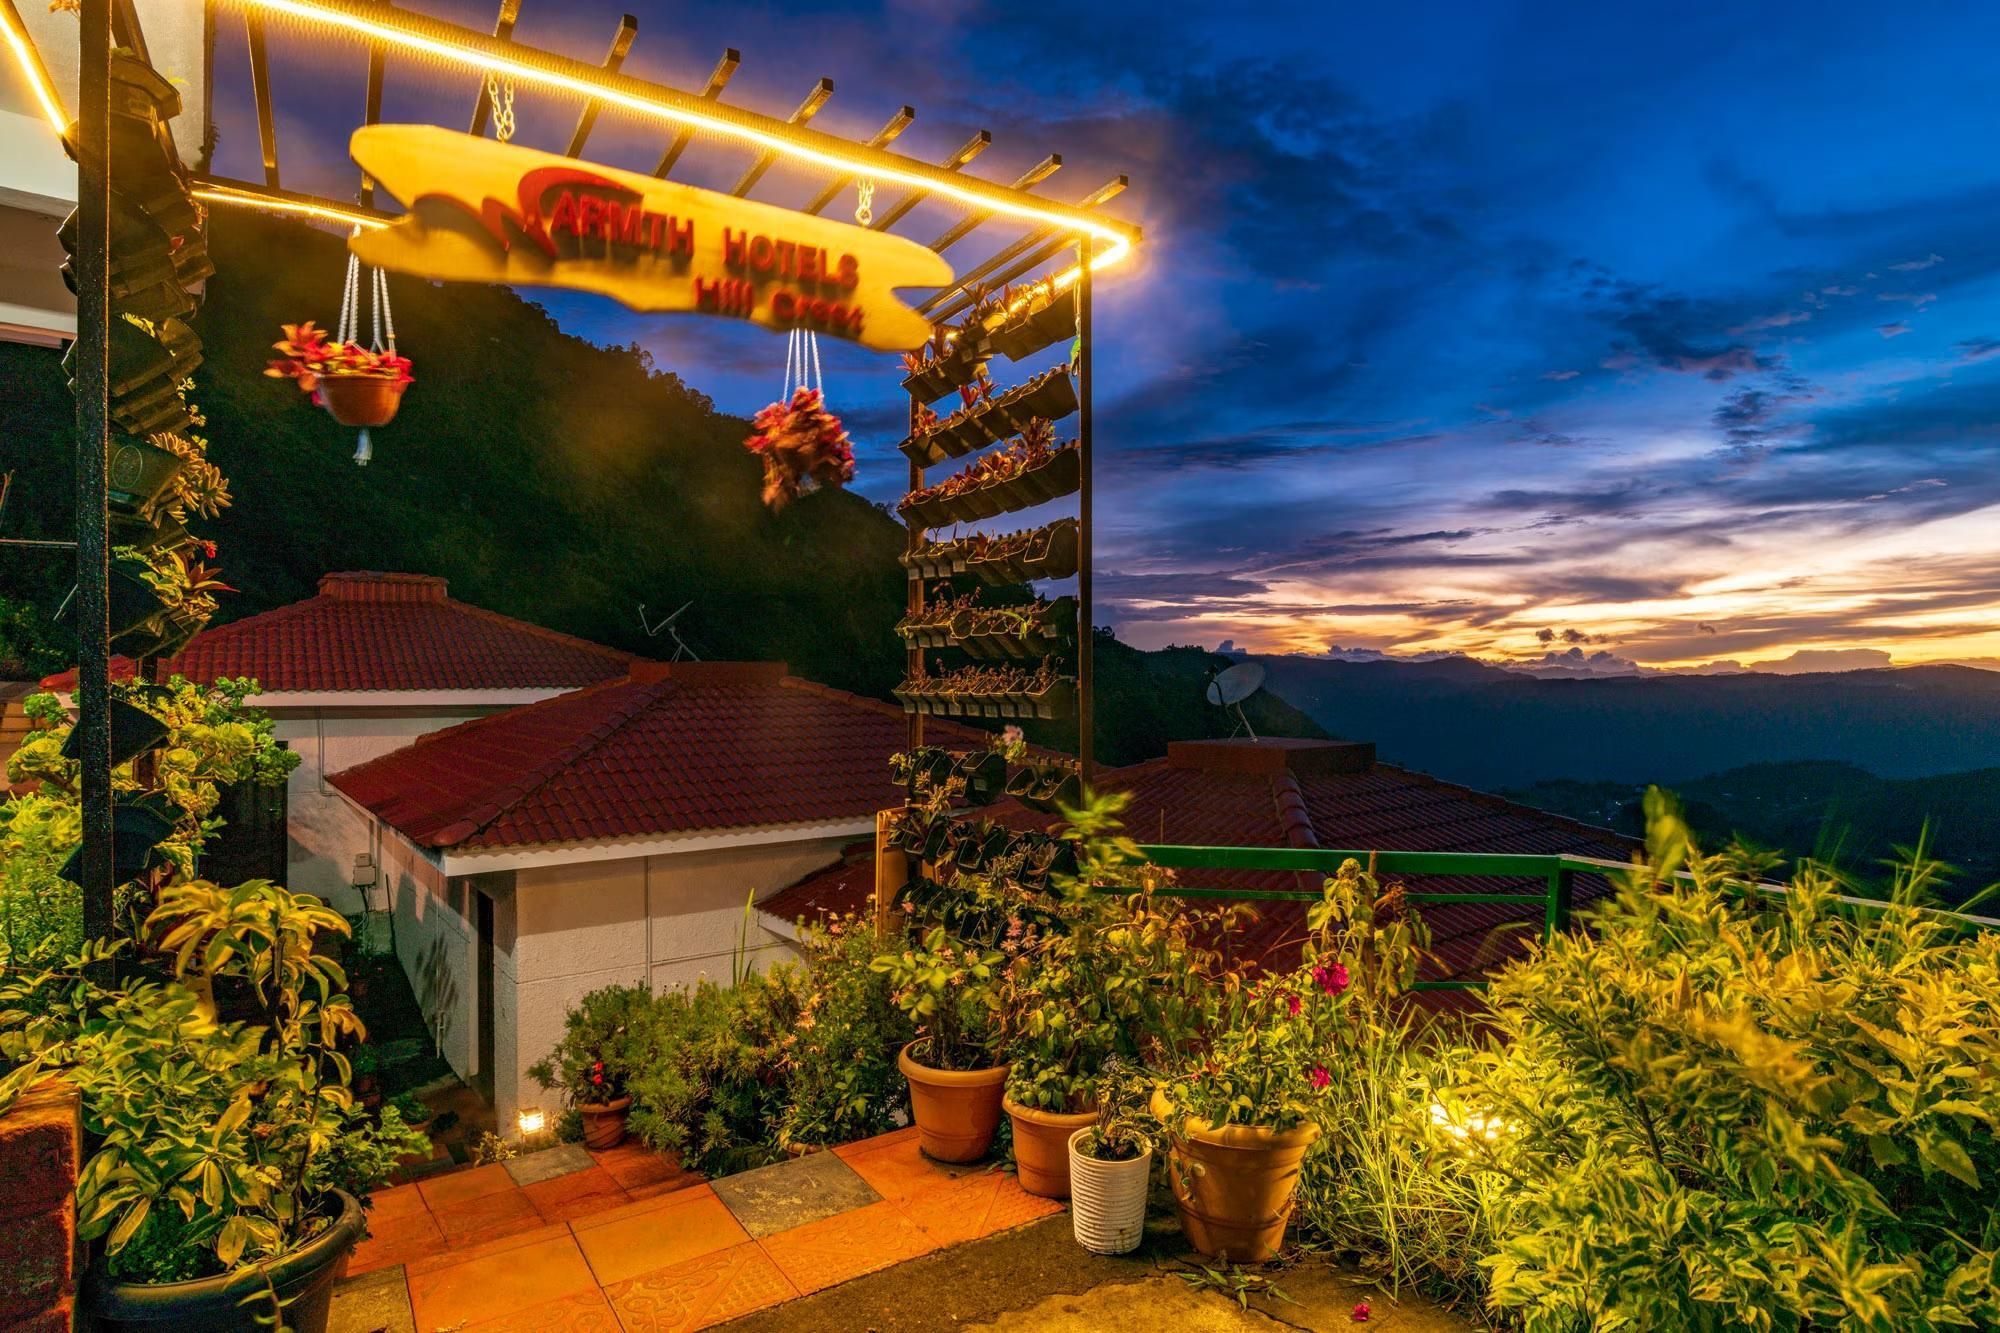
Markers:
(436, 943)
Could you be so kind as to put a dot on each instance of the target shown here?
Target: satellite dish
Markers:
(1229, 687)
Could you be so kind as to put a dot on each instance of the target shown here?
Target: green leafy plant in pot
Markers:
(215, 1192)
(1110, 1167)
(593, 1061)
(950, 990)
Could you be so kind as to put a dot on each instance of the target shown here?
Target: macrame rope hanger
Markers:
(802, 347)
(382, 322)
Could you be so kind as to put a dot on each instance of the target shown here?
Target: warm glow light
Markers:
(31, 67)
(1489, 1128)
(223, 194)
(532, 1122)
(1116, 243)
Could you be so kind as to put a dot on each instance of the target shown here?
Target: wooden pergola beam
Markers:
(718, 79)
(982, 272)
(621, 43)
(966, 225)
(371, 111)
(882, 139)
(971, 148)
(807, 109)
(503, 28)
(260, 88)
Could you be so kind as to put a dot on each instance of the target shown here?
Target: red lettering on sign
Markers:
(680, 237)
(850, 272)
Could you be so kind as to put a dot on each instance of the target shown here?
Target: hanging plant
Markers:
(802, 446)
(339, 374)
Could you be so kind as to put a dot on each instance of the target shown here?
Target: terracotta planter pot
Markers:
(361, 400)
(604, 1122)
(1233, 1186)
(1107, 1210)
(1041, 1146)
(957, 1110)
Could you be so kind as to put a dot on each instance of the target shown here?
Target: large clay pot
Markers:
(1041, 1146)
(303, 1279)
(361, 400)
(1233, 1186)
(604, 1122)
(957, 1110)
(1107, 1208)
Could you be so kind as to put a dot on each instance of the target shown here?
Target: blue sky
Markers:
(1662, 333)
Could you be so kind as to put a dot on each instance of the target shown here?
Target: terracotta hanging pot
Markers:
(1233, 1186)
(362, 400)
(957, 1110)
(604, 1122)
(1041, 1146)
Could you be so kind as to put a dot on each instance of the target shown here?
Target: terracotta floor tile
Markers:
(686, 1181)
(399, 1240)
(656, 1233)
(500, 1285)
(633, 1165)
(890, 1139)
(899, 1170)
(700, 1292)
(519, 1240)
(585, 1312)
(576, 1195)
(825, 1253)
(458, 1186)
(390, 1204)
(486, 1218)
(1015, 1207)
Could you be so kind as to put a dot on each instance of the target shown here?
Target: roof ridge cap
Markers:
(1294, 818)
(541, 631)
(883, 706)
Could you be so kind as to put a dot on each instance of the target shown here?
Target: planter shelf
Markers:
(1054, 633)
(1051, 554)
(1051, 396)
(1056, 701)
(956, 368)
(1061, 474)
(1040, 325)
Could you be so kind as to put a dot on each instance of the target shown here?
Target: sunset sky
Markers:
(1505, 329)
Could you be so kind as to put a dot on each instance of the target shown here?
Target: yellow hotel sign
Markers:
(482, 211)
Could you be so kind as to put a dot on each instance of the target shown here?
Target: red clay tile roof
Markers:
(1317, 795)
(681, 748)
(368, 631)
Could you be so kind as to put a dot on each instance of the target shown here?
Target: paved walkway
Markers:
(624, 1242)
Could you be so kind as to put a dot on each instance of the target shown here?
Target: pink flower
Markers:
(1293, 1003)
(1319, 1078)
(1361, 1312)
(1332, 977)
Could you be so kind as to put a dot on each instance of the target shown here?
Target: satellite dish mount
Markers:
(1229, 687)
(667, 627)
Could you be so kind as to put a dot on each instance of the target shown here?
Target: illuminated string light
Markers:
(1117, 242)
(30, 62)
(223, 194)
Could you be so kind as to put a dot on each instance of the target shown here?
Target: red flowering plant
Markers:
(307, 355)
(802, 446)
(1034, 448)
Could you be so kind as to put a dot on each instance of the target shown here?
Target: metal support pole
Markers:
(1086, 633)
(91, 265)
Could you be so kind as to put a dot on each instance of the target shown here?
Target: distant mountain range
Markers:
(1471, 722)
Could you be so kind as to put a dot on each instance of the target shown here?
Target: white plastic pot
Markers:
(1107, 1200)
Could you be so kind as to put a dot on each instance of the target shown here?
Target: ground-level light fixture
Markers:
(532, 1121)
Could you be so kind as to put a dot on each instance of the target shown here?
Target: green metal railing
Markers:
(1556, 874)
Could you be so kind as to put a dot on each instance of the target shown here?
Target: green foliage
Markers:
(367, 1151)
(840, 1060)
(708, 1084)
(1732, 1110)
(950, 990)
(603, 1046)
(41, 914)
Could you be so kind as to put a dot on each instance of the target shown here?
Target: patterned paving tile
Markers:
(834, 1249)
(701, 1291)
(584, 1312)
(790, 1194)
(498, 1285)
(656, 1233)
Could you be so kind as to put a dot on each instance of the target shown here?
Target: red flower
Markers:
(1361, 1312)
(1293, 1003)
(1319, 1078)
(1332, 977)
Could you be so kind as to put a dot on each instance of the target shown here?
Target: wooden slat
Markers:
(965, 226)
(503, 28)
(971, 148)
(371, 111)
(979, 273)
(807, 110)
(621, 42)
(260, 84)
(718, 79)
(883, 138)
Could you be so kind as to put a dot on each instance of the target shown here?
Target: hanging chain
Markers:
(864, 202)
(503, 107)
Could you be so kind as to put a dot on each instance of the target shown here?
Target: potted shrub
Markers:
(950, 991)
(1110, 1167)
(592, 1063)
(358, 386)
(215, 1189)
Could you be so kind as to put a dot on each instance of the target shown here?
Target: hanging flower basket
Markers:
(362, 400)
(944, 365)
(803, 446)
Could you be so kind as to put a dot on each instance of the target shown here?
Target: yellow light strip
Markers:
(1115, 243)
(223, 194)
(31, 67)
